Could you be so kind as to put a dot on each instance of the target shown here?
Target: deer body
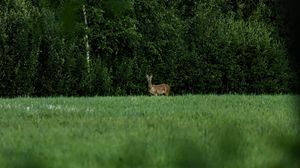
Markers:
(157, 89)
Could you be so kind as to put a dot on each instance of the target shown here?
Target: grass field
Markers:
(143, 131)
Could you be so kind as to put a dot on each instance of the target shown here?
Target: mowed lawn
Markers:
(246, 131)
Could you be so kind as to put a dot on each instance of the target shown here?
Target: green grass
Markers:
(143, 131)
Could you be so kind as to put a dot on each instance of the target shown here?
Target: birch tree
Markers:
(87, 46)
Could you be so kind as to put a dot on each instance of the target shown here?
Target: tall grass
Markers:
(141, 131)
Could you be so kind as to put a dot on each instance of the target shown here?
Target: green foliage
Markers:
(236, 55)
(257, 55)
(101, 79)
(215, 46)
(18, 49)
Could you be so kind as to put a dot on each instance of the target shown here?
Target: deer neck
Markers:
(149, 84)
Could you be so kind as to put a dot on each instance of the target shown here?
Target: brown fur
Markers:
(157, 89)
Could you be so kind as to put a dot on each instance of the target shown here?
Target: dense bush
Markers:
(18, 49)
(215, 46)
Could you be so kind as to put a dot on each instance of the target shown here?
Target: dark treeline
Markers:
(86, 48)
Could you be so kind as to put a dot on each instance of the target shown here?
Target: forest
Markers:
(106, 47)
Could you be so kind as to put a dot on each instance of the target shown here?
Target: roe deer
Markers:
(157, 89)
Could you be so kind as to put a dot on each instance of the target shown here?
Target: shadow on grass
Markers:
(24, 160)
(290, 145)
(226, 149)
(134, 154)
(183, 152)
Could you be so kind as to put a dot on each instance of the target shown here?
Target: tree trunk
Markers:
(87, 46)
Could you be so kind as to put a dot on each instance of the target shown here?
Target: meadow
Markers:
(246, 131)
